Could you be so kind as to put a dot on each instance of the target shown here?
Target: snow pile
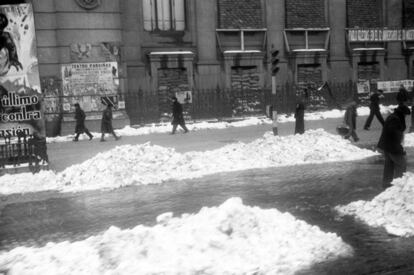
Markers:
(393, 209)
(205, 125)
(229, 239)
(409, 140)
(28, 182)
(146, 163)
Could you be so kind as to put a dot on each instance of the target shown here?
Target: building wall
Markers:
(62, 23)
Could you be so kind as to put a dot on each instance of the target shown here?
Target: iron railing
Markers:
(148, 106)
(23, 151)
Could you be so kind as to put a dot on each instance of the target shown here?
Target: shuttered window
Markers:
(164, 15)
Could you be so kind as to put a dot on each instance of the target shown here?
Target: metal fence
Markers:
(143, 107)
(148, 106)
(23, 150)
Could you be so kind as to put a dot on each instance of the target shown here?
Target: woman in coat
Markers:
(350, 120)
(80, 127)
(106, 123)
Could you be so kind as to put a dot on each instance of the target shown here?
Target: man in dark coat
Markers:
(374, 109)
(106, 122)
(390, 143)
(402, 95)
(178, 117)
(300, 115)
(80, 127)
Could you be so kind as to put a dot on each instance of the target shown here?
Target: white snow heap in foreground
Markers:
(393, 209)
(146, 163)
(229, 239)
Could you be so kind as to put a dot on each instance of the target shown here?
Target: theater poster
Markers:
(20, 93)
(87, 84)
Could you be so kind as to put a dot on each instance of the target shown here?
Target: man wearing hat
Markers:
(178, 117)
(390, 142)
(80, 127)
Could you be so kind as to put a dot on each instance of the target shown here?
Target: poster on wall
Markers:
(394, 86)
(184, 97)
(20, 93)
(363, 87)
(87, 83)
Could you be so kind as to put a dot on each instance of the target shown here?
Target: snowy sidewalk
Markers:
(65, 154)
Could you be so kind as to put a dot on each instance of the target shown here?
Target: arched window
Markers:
(164, 15)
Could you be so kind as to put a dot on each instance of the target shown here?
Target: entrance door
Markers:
(245, 90)
(309, 78)
(170, 81)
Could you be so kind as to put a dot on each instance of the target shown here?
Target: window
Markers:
(164, 15)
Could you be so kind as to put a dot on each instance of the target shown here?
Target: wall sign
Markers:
(380, 35)
(394, 86)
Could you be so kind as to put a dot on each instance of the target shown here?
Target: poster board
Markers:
(20, 93)
(184, 97)
(88, 83)
(363, 87)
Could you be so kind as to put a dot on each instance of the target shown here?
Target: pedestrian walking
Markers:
(178, 117)
(300, 114)
(411, 99)
(80, 127)
(350, 120)
(390, 143)
(374, 109)
(106, 123)
(402, 95)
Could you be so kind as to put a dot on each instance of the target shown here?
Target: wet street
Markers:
(309, 192)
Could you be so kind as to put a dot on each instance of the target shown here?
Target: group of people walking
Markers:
(392, 134)
(106, 121)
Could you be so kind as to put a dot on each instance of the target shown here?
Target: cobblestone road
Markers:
(309, 192)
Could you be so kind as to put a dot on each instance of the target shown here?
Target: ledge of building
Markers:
(135, 64)
(208, 62)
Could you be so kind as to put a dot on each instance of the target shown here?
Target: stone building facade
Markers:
(167, 46)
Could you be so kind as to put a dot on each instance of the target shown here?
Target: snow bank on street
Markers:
(409, 140)
(146, 163)
(204, 125)
(393, 209)
(229, 239)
